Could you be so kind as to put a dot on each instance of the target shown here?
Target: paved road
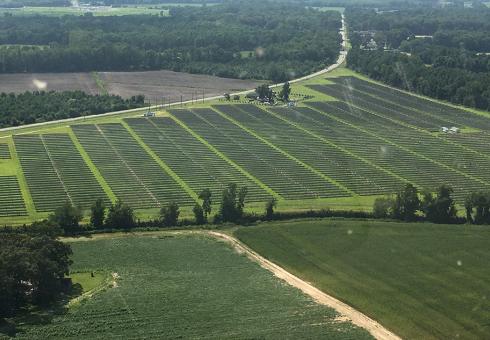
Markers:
(340, 60)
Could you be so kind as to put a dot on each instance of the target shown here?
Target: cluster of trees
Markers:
(66, 219)
(265, 94)
(33, 266)
(36, 107)
(409, 205)
(451, 62)
(119, 215)
(282, 41)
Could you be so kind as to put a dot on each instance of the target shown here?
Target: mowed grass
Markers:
(421, 281)
(172, 286)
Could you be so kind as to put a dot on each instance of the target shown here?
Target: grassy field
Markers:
(421, 281)
(170, 286)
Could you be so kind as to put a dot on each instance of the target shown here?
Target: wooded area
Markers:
(440, 52)
(239, 40)
(37, 107)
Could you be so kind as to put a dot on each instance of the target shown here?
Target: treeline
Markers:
(260, 40)
(411, 205)
(37, 107)
(450, 62)
(408, 204)
(33, 265)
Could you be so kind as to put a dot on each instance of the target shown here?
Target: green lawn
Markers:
(421, 281)
(178, 286)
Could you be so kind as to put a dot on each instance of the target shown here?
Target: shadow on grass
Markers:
(38, 315)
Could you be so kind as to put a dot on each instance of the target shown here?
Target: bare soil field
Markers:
(171, 85)
(155, 85)
(21, 82)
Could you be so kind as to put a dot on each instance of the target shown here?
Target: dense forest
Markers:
(260, 40)
(439, 52)
(37, 107)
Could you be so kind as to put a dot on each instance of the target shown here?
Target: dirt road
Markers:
(347, 312)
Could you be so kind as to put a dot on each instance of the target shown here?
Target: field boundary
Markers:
(356, 317)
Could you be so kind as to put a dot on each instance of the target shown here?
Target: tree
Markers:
(382, 207)
(169, 214)
(206, 197)
(67, 217)
(477, 206)
(227, 96)
(269, 208)
(441, 208)
(32, 270)
(232, 203)
(236, 97)
(97, 214)
(120, 215)
(285, 92)
(406, 203)
(265, 93)
(198, 214)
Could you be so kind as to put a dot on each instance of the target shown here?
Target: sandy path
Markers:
(347, 312)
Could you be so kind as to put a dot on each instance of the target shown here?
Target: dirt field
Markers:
(21, 82)
(155, 85)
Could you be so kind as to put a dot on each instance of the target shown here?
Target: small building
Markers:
(444, 129)
(454, 129)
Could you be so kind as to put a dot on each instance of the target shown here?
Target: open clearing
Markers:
(153, 84)
(171, 286)
(349, 142)
(422, 281)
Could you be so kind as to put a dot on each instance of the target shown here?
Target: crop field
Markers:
(154, 85)
(352, 141)
(170, 286)
(421, 281)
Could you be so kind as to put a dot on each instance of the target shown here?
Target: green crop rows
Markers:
(187, 288)
(4, 151)
(195, 163)
(11, 202)
(132, 174)
(421, 281)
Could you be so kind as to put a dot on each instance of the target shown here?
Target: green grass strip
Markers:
(224, 157)
(162, 164)
(404, 148)
(98, 176)
(24, 188)
(100, 83)
(288, 155)
(350, 153)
